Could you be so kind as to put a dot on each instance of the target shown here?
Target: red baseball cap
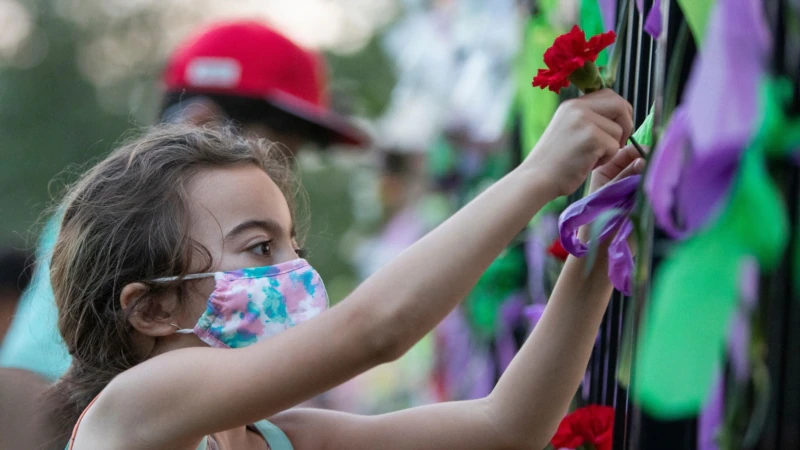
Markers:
(248, 59)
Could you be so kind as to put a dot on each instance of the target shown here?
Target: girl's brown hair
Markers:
(126, 220)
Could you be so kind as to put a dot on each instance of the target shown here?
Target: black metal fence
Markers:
(645, 66)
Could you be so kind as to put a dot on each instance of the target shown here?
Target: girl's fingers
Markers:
(624, 157)
(608, 126)
(635, 168)
(609, 104)
(609, 146)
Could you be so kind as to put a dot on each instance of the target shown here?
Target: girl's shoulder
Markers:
(276, 439)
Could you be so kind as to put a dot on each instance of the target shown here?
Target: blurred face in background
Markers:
(400, 179)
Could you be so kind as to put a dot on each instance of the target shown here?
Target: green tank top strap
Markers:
(276, 438)
(203, 444)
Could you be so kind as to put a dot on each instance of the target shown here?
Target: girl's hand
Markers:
(585, 133)
(625, 163)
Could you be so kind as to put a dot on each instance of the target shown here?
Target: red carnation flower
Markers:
(592, 424)
(569, 54)
(557, 250)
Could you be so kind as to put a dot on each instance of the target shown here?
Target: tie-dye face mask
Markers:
(254, 304)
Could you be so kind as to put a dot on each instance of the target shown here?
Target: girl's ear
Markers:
(152, 315)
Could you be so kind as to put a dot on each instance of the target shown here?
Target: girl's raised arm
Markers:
(528, 402)
(176, 398)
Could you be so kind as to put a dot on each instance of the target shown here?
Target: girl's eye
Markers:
(262, 248)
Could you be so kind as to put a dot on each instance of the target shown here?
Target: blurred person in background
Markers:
(17, 387)
(400, 186)
(15, 274)
(249, 74)
(241, 73)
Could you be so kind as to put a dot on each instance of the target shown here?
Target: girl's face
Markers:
(241, 217)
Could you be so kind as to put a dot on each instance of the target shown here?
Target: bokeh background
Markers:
(76, 75)
(442, 86)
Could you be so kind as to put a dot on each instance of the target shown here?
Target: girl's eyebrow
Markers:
(270, 226)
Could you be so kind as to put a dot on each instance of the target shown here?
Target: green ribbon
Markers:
(696, 13)
(502, 278)
(535, 106)
(644, 134)
(591, 22)
(695, 290)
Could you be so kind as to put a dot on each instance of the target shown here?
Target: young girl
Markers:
(191, 317)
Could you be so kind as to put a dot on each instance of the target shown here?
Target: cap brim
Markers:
(337, 128)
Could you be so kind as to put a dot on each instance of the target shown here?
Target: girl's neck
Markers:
(150, 347)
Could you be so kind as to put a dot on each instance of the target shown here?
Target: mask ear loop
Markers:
(196, 276)
(179, 330)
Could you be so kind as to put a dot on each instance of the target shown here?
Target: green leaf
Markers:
(591, 22)
(644, 134)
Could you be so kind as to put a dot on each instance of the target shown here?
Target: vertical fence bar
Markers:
(771, 297)
(647, 432)
(782, 308)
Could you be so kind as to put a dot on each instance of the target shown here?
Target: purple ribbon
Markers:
(686, 189)
(653, 25)
(535, 255)
(620, 259)
(723, 89)
(692, 169)
(511, 315)
(711, 417)
(608, 9)
(619, 195)
(534, 313)
(739, 337)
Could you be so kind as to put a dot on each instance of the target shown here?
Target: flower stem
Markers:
(638, 147)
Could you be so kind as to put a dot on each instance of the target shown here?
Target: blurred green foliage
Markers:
(49, 119)
(365, 79)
